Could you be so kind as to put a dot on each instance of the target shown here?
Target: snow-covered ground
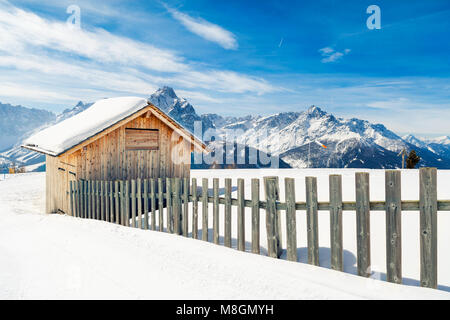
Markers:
(54, 256)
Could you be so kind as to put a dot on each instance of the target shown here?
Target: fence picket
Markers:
(291, 228)
(362, 187)
(97, 200)
(116, 201)
(337, 258)
(102, 200)
(80, 199)
(227, 240)
(205, 209)
(89, 199)
(127, 203)
(177, 206)
(71, 196)
(312, 220)
(169, 205)
(107, 202)
(75, 194)
(241, 214)
(111, 203)
(153, 203)
(145, 197)
(273, 235)
(133, 203)
(139, 202)
(185, 207)
(255, 216)
(85, 199)
(216, 210)
(428, 227)
(161, 204)
(122, 203)
(194, 209)
(393, 226)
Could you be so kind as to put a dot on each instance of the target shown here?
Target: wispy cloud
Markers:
(95, 61)
(331, 55)
(205, 29)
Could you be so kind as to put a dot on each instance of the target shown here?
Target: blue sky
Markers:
(236, 57)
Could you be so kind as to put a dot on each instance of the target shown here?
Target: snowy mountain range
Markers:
(294, 137)
(33, 120)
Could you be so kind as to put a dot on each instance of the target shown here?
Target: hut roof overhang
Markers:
(101, 118)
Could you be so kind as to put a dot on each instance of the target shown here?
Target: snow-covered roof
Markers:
(103, 114)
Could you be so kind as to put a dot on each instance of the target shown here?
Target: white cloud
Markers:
(205, 29)
(330, 55)
(97, 62)
(22, 30)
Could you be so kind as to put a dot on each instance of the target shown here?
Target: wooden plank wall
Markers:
(106, 159)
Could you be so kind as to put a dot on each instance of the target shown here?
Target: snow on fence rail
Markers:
(138, 203)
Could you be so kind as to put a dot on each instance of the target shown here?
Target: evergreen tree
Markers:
(412, 160)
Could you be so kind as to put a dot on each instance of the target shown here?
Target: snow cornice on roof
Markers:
(101, 118)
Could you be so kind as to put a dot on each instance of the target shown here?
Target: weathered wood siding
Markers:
(107, 159)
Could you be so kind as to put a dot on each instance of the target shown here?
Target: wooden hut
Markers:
(115, 139)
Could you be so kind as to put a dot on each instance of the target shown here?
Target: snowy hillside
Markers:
(17, 121)
(72, 258)
(32, 160)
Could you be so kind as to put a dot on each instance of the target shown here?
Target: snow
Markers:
(99, 116)
(55, 256)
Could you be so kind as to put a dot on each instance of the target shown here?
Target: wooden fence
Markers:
(137, 203)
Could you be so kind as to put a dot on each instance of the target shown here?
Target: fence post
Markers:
(153, 203)
(169, 205)
(255, 216)
(227, 235)
(273, 236)
(185, 207)
(428, 227)
(161, 204)
(205, 209)
(216, 210)
(362, 189)
(312, 220)
(194, 209)
(177, 206)
(291, 228)
(145, 206)
(337, 257)
(393, 226)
